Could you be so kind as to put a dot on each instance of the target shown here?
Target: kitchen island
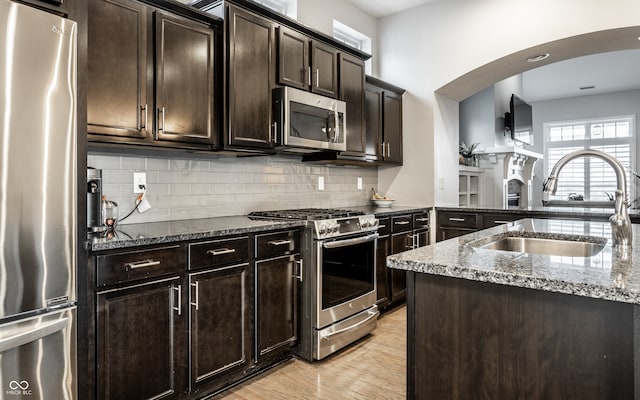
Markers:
(496, 324)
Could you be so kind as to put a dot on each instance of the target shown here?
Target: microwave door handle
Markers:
(336, 129)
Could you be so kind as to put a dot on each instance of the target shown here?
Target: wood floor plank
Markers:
(372, 368)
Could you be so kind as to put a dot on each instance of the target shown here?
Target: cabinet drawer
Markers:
(135, 265)
(421, 221)
(491, 220)
(384, 226)
(277, 244)
(219, 252)
(402, 223)
(465, 220)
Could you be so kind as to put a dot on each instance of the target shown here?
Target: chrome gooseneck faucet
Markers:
(620, 221)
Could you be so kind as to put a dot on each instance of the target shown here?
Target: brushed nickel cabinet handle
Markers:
(456, 219)
(317, 77)
(279, 242)
(309, 76)
(140, 264)
(500, 222)
(402, 223)
(195, 303)
(220, 252)
(178, 302)
(422, 219)
(299, 276)
(142, 123)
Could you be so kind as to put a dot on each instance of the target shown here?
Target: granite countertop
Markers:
(190, 229)
(389, 211)
(609, 275)
(603, 213)
(131, 235)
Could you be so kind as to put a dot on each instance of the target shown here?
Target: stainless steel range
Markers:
(339, 278)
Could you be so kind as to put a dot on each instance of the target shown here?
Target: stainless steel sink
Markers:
(569, 246)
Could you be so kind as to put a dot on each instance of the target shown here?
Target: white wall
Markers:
(320, 14)
(427, 47)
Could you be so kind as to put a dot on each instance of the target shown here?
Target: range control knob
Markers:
(322, 230)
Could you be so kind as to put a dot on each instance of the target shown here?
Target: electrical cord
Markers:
(138, 201)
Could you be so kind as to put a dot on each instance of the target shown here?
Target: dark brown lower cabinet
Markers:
(219, 317)
(139, 341)
(277, 287)
(478, 340)
(398, 233)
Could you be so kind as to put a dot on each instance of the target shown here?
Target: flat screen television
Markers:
(519, 120)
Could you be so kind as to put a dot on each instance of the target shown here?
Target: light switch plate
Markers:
(321, 183)
(359, 183)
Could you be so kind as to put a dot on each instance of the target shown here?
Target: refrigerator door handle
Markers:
(32, 334)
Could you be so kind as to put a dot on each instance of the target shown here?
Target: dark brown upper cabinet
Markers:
(123, 37)
(352, 91)
(383, 114)
(251, 76)
(307, 64)
(119, 82)
(184, 74)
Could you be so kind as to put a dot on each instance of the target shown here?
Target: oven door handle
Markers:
(372, 315)
(350, 242)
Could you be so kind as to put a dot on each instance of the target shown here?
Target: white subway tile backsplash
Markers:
(198, 188)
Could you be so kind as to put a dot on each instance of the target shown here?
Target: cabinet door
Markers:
(139, 342)
(219, 319)
(276, 305)
(184, 74)
(352, 92)
(398, 278)
(251, 76)
(119, 82)
(373, 122)
(324, 70)
(382, 272)
(293, 59)
(392, 127)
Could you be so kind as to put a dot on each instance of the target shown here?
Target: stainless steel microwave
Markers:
(305, 121)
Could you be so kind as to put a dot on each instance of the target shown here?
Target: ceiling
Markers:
(382, 8)
(613, 71)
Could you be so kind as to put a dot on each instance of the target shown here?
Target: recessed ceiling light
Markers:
(537, 57)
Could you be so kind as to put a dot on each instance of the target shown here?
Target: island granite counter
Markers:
(496, 324)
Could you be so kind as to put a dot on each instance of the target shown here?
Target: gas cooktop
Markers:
(309, 214)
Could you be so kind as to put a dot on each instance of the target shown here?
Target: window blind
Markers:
(590, 177)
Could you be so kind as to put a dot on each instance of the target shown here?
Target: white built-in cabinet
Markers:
(469, 186)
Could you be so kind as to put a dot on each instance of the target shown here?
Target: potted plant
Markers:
(467, 153)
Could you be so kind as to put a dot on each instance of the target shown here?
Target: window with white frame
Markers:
(351, 37)
(286, 7)
(590, 177)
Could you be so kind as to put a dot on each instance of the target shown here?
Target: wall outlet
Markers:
(359, 184)
(321, 183)
(139, 182)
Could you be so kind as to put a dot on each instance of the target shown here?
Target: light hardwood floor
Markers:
(372, 368)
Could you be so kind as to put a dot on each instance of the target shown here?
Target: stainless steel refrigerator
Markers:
(38, 215)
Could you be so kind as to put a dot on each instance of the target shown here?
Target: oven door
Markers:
(346, 281)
